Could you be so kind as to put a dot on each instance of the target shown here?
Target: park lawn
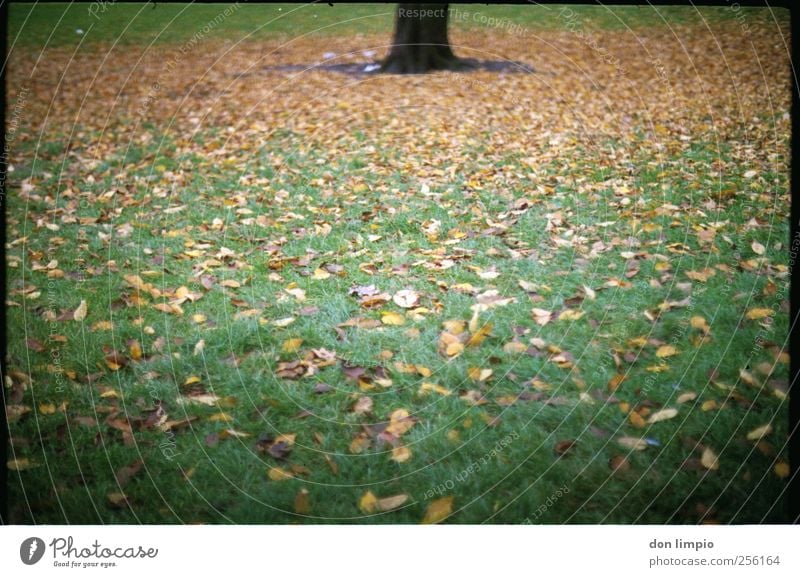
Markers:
(542, 298)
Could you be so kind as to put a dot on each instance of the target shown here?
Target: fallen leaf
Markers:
(368, 503)
(406, 299)
(662, 415)
(391, 503)
(362, 405)
(393, 319)
(665, 351)
(758, 313)
(401, 454)
(279, 474)
(760, 432)
(438, 511)
(80, 312)
(633, 443)
(709, 459)
(302, 502)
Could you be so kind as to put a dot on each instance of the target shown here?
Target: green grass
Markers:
(38, 24)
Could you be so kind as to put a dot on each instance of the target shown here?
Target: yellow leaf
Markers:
(81, 311)
(393, 319)
(21, 464)
(662, 415)
(135, 350)
(686, 397)
(454, 349)
(359, 443)
(479, 374)
(279, 474)
(285, 322)
(480, 335)
(454, 327)
(192, 380)
(709, 405)
(102, 326)
(758, 313)
(291, 345)
(401, 454)
(782, 469)
(438, 511)
(320, 274)
(666, 351)
(302, 504)
(220, 417)
(699, 322)
(47, 408)
(757, 247)
(400, 422)
(615, 382)
(755, 435)
(636, 420)
(368, 503)
(570, 315)
(709, 459)
(230, 283)
(427, 387)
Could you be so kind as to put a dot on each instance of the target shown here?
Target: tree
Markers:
(420, 41)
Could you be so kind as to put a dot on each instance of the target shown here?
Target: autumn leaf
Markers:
(665, 351)
(759, 432)
(390, 503)
(709, 459)
(392, 319)
(432, 387)
(363, 405)
(758, 313)
(662, 415)
(291, 345)
(438, 511)
(368, 503)
(401, 454)
(302, 502)
(80, 313)
(633, 443)
(406, 299)
(278, 474)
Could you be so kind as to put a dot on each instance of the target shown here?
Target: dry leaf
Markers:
(709, 459)
(438, 511)
(662, 415)
(760, 432)
(80, 312)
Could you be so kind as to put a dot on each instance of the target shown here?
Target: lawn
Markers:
(245, 292)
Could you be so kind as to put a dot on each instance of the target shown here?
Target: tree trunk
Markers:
(420, 41)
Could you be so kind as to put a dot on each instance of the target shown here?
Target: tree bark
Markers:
(420, 41)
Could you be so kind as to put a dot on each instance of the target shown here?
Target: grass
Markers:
(39, 24)
(497, 459)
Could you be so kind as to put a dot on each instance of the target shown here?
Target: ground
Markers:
(243, 291)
